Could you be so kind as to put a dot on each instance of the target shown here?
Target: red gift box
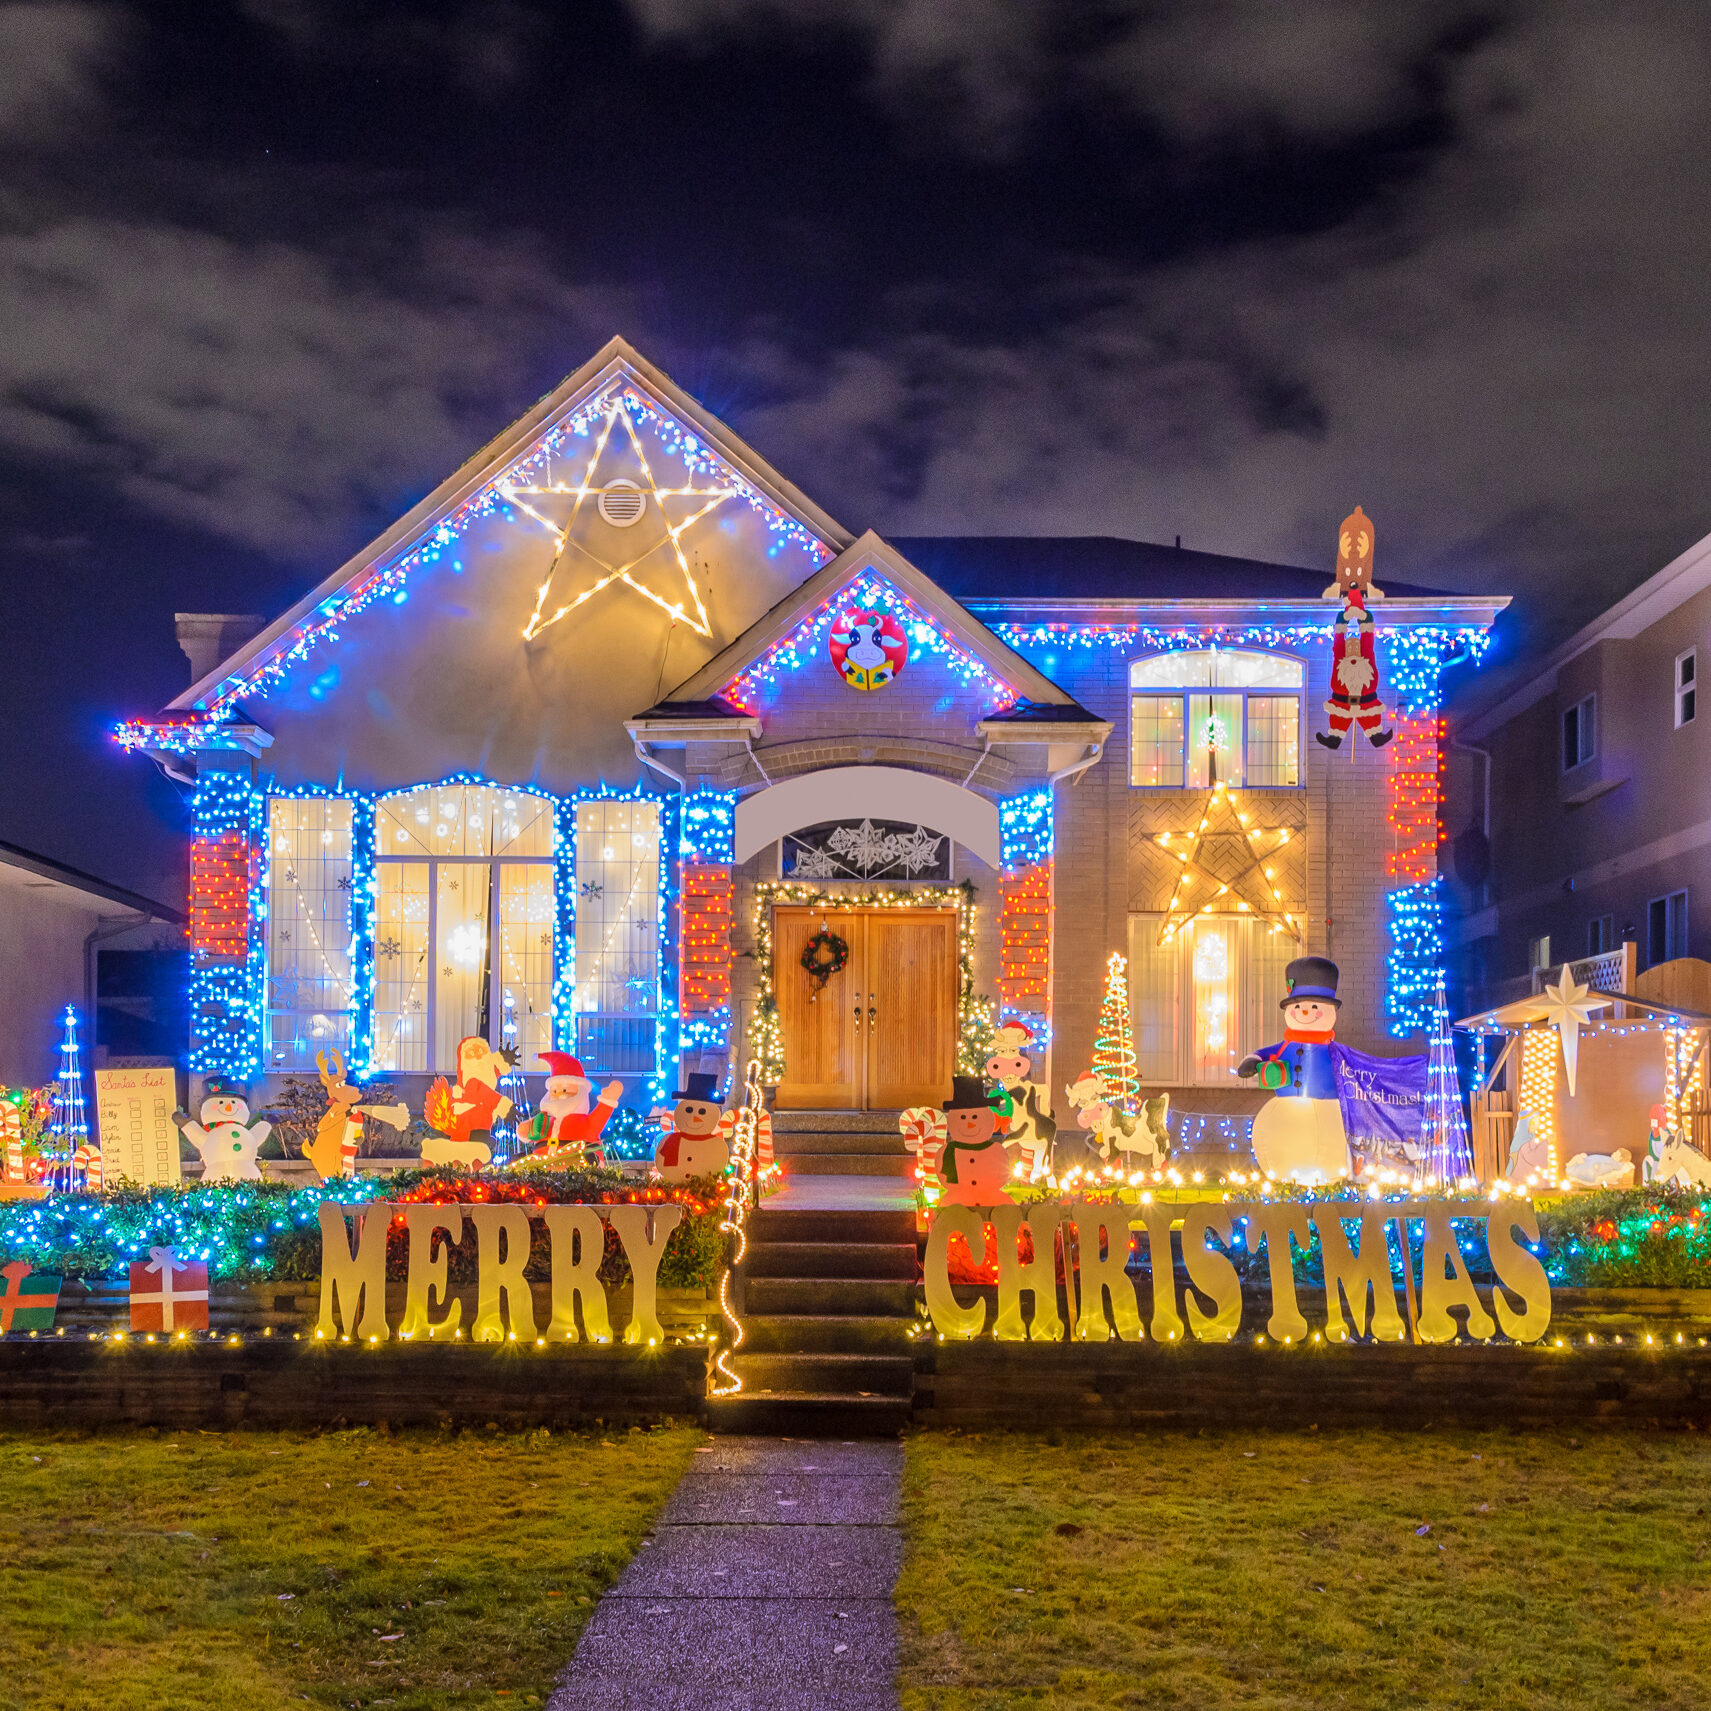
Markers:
(168, 1293)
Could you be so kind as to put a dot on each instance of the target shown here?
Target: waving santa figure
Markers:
(565, 1126)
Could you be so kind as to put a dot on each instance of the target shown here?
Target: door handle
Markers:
(871, 1012)
(858, 1018)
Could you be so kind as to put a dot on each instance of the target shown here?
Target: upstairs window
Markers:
(1580, 733)
(1210, 715)
(1666, 928)
(1686, 676)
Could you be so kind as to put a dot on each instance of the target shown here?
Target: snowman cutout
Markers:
(694, 1145)
(227, 1138)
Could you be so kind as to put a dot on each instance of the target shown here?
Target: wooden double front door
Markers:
(882, 1032)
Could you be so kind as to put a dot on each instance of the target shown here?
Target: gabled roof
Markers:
(1017, 687)
(420, 535)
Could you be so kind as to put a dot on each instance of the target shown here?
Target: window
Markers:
(1203, 1001)
(1686, 692)
(308, 930)
(616, 999)
(1666, 928)
(1600, 935)
(1210, 714)
(464, 923)
(1580, 733)
(1539, 952)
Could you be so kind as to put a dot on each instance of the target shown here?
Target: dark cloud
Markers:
(53, 55)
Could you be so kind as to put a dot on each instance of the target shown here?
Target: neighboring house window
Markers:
(1539, 952)
(463, 919)
(1210, 714)
(617, 936)
(1201, 1002)
(1600, 935)
(1580, 733)
(1686, 694)
(1666, 928)
(308, 930)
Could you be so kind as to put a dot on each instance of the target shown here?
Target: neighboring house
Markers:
(585, 750)
(55, 925)
(1593, 768)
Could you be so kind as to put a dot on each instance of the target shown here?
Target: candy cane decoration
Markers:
(14, 1160)
(924, 1132)
(88, 1160)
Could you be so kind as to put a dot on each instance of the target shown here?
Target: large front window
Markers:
(617, 936)
(309, 988)
(1207, 715)
(463, 924)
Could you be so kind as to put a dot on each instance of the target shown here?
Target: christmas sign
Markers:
(868, 649)
(28, 1299)
(139, 1141)
(168, 1293)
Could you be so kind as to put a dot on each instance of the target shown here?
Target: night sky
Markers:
(270, 270)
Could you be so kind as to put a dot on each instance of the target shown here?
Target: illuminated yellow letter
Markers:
(1156, 1221)
(350, 1281)
(643, 1251)
(1275, 1222)
(496, 1278)
(1440, 1291)
(427, 1272)
(1210, 1272)
(1358, 1276)
(579, 1242)
(949, 1316)
(1519, 1270)
(1038, 1276)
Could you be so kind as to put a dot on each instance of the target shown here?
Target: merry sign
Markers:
(1360, 1291)
(353, 1273)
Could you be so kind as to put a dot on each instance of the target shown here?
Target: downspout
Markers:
(749, 745)
(1075, 769)
(979, 763)
(647, 759)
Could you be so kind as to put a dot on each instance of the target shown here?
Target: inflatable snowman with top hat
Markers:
(1298, 1133)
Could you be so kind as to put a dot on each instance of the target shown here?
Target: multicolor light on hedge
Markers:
(870, 592)
(227, 907)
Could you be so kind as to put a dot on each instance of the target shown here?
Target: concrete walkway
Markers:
(766, 1587)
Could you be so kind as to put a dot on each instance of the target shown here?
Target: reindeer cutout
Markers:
(339, 1133)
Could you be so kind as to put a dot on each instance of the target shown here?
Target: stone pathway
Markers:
(766, 1587)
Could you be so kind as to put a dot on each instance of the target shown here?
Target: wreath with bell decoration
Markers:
(823, 956)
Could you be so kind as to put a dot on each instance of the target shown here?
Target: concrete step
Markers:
(856, 1296)
(828, 1374)
(831, 1259)
(825, 1333)
(848, 1164)
(838, 1141)
(839, 1225)
(834, 1122)
(776, 1413)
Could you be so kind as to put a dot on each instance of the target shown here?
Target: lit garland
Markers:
(1414, 963)
(495, 497)
(1025, 829)
(1026, 835)
(975, 1020)
(739, 1191)
(706, 901)
(804, 645)
(1537, 1097)
(227, 907)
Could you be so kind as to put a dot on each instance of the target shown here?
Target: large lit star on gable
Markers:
(652, 515)
(1228, 868)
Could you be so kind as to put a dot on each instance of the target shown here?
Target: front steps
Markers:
(840, 1143)
(827, 1307)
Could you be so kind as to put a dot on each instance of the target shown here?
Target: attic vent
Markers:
(622, 502)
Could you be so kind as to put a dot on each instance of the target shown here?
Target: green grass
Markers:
(1249, 1570)
(196, 1571)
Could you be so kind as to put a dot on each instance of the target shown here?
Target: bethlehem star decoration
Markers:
(1224, 869)
(656, 568)
(1567, 1008)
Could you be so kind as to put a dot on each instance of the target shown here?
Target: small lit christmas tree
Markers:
(70, 1126)
(513, 1085)
(1448, 1154)
(1113, 1045)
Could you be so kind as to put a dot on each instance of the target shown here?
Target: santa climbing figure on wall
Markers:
(1354, 678)
(564, 1126)
(464, 1113)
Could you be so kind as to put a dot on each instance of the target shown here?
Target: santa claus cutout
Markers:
(564, 1128)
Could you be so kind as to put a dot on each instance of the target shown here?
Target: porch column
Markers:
(227, 939)
(1025, 833)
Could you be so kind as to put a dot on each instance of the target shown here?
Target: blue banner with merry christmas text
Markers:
(1383, 1098)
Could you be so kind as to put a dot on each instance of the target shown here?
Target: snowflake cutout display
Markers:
(592, 888)
(388, 948)
(344, 882)
(290, 876)
(866, 851)
(284, 935)
(648, 556)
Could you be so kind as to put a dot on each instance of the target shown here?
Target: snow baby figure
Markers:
(1299, 1134)
(565, 1129)
(694, 1147)
(975, 1165)
(228, 1138)
(1029, 1128)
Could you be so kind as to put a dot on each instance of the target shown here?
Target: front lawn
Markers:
(1357, 1569)
(198, 1571)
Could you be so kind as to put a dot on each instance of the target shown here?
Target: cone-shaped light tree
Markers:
(1114, 1044)
(1448, 1154)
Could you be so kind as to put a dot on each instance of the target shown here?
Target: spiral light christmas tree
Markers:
(1113, 1045)
(70, 1126)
